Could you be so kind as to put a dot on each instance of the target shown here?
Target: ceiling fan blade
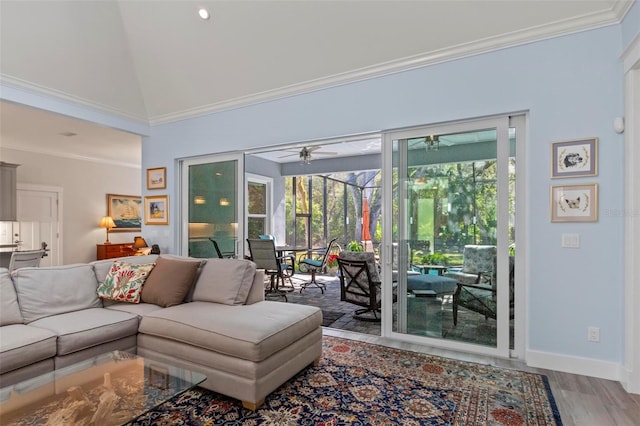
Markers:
(290, 155)
(325, 153)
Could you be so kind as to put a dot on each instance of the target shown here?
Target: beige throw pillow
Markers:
(9, 309)
(170, 281)
(226, 281)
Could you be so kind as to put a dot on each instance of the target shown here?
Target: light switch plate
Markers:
(571, 240)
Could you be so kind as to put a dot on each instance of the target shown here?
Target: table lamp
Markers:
(107, 222)
(139, 244)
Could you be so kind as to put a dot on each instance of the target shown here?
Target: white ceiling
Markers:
(156, 61)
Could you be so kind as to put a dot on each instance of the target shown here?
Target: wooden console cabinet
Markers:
(109, 251)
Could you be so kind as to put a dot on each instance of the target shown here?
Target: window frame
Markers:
(268, 215)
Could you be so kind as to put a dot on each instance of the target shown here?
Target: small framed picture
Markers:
(157, 178)
(156, 210)
(574, 158)
(574, 203)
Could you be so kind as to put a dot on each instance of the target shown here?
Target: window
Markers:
(258, 206)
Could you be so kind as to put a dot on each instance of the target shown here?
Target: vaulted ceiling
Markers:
(157, 61)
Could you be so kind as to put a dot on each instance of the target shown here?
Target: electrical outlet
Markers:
(593, 334)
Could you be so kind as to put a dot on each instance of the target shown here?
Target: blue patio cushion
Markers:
(313, 262)
(437, 283)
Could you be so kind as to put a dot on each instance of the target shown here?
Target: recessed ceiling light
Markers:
(204, 13)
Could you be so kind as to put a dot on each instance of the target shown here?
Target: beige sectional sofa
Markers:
(214, 321)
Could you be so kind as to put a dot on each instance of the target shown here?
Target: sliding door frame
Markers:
(184, 164)
(501, 124)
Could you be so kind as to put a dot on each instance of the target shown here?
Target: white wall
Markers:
(85, 187)
(572, 88)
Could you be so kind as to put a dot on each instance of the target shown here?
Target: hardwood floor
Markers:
(581, 400)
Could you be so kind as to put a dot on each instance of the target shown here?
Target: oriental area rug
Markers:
(358, 383)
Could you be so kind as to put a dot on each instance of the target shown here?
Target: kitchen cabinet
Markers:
(8, 195)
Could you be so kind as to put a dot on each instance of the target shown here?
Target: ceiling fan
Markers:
(305, 153)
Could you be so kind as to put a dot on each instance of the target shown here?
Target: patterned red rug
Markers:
(364, 384)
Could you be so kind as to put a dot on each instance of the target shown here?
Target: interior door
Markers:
(39, 221)
(212, 200)
(450, 186)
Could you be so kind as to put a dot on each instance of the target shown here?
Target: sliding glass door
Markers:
(212, 206)
(449, 235)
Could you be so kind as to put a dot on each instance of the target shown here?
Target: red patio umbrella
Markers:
(366, 235)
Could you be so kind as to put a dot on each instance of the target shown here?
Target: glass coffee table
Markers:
(111, 389)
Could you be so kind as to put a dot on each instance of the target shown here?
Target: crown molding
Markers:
(546, 31)
(620, 8)
(18, 83)
(542, 32)
(71, 156)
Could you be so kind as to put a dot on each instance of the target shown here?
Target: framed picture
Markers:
(574, 203)
(126, 212)
(157, 178)
(156, 210)
(574, 158)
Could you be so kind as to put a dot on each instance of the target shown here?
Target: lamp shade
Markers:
(107, 222)
(139, 242)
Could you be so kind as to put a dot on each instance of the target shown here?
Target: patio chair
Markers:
(217, 248)
(22, 259)
(476, 282)
(263, 254)
(288, 260)
(360, 283)
(316, 263)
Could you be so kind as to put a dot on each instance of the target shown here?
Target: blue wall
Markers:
(572, 88)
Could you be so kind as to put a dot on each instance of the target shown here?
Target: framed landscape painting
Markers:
(574, 158)
(156, 210)
(157, 178)
(126, 212)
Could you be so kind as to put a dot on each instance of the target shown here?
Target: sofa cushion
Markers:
(102, 267)
(53, 290)
(170, 281)
(225, 281)
(21, 345)
(139, 309)
(9, 309)
(89, 327)
(252, 332)
(124, 281)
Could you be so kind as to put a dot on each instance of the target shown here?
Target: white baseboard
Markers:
(575, 365)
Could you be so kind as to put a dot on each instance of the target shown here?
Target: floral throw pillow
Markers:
(124, 281)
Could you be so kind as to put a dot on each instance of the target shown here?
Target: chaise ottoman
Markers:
(246, 351)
